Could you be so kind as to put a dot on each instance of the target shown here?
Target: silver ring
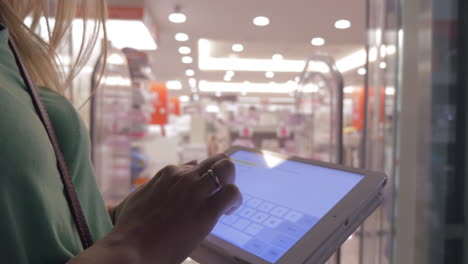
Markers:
(215, 179)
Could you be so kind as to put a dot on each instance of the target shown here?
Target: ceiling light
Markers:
(192, 82)
(174, 85)
(261, 21)
(383, 65)
(352, 61)
(348, 90)
(391, 49)
(362, 71)
(230, 73)
(237, 48)
(227, 78)
(187, 59)
(190, 73)
(390, 91)
(177, 18)
(185, 50)
(269, 74)
(318, 41)
(184, 98)
(342, 24)
(181, 37)
(277, 57)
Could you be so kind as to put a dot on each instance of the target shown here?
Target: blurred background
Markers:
(374, 84)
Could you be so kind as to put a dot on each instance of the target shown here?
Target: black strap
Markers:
(69, 189)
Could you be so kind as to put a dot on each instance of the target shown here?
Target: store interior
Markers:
(184, 80)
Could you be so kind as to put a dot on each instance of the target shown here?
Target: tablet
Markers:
(294, 210)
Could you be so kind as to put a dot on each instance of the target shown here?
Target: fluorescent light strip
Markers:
(350, 62)
(224, 87)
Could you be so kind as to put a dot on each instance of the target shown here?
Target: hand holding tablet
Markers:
(294, 210)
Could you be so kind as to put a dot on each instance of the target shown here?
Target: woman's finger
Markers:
(224, 201)
(208, 163)
(223, 171)
(191, 163)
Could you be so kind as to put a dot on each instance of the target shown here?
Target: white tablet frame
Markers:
(352, 210)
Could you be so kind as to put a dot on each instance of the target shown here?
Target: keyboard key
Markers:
(266, 207)
(255, 247)
(230, 234)
(292, 230)
(229, 220)
(293, 216)
(253, 229)
(283, 241)
(241, 224)
(279, 211)
(267, 235)
(273, 222)
(259, 217)
(307, 221)
(273, 254)
(254, 202)
(247, 212)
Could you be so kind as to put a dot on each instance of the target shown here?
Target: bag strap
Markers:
(69, 189)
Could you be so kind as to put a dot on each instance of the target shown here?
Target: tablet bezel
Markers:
(368, 188)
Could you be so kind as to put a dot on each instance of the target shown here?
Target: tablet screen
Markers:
(283, 200)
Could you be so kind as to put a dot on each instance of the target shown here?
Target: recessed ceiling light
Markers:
(227, 78)
(362, 71)
(237, 48)
(261, 21)
(185, 50)
(318, 41)
(177, 17)
(277, 57)
(383, 65)
(192, 82)
(269, 74)
(190, 73)
(181, 37)
(187, 59)
(342, 24)
(174, 85)
(230, 73)
(390, 91)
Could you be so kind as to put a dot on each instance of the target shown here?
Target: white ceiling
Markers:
(293, 24)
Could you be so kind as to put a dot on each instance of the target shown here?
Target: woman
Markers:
(160, 223)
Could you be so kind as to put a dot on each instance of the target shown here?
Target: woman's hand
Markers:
(164, 220)
(170, 215)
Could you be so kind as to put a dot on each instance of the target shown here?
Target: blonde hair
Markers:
(40, 57)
